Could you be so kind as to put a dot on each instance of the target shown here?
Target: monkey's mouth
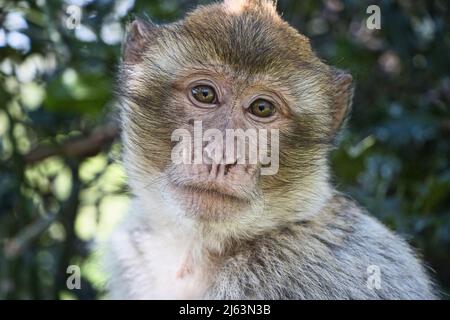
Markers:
(209, 191)
(202, 195)
(208, 202)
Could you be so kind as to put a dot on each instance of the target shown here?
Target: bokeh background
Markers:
(62, 186)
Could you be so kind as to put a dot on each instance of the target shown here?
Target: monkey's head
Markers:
(231, 65)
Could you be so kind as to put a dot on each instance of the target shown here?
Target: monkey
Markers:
(223, 230)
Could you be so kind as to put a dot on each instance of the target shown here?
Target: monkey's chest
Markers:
(172, 271)
(178, 281)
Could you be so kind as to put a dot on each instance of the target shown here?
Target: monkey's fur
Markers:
(286, 236)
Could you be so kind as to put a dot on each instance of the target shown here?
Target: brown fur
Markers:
(289, 235)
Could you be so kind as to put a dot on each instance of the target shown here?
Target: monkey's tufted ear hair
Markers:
(342, 100)
(138, 36)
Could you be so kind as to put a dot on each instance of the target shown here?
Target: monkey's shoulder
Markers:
(332, 256)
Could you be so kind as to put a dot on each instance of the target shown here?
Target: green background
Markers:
(62, 187)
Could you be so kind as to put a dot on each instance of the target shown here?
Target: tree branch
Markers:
(80, 147)
(14, 247)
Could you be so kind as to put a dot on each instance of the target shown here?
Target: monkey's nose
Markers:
(220, 170)
(219, 162)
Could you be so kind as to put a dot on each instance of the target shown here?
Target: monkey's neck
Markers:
(164, 217)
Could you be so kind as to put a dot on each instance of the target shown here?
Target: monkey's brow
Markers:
(217, 67)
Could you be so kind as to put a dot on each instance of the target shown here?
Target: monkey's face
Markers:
(227, 70)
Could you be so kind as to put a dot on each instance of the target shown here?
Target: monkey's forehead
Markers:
(250, 37)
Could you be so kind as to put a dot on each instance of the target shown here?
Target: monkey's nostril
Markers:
(191, 122)
(229, 166)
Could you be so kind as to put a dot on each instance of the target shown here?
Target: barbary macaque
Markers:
(222, 229)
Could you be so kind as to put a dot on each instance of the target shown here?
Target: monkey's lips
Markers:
(238, 184)
(211, 189)
(202, 193)
(209, 200)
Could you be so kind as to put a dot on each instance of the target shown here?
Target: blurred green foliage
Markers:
(56, 94)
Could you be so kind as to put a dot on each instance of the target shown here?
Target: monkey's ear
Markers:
(138, 36)
(343, 96)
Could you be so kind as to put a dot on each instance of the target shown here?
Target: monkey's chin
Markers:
(209, 204)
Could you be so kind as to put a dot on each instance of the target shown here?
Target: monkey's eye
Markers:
(204, 94)
(262, 108)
